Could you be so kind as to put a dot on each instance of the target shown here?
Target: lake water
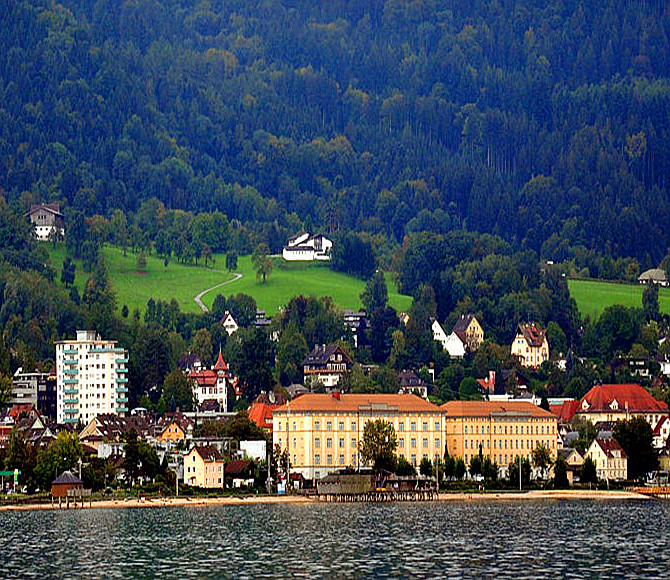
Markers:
(442, 539)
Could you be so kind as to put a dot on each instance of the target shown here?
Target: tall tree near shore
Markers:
(379, 445)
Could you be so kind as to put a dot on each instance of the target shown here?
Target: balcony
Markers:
(70, 420)
(122, 410)
(71, 371)
(70, 351)
(121, 380)
(122, 389)
(70, 361)
(71, 411)
(121, 370)
(123, 400)
(71, 381)
(70, 402)
(121, 360)
(70, 391)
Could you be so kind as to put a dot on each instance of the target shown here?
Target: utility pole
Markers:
(519, 472)
(288, 446)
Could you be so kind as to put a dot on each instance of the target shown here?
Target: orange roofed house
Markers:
(212, 385)
(323, 431)
(203, 467)
(530, 345)
(502, 429)
(609, 403)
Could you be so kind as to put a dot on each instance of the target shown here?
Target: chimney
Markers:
(336, 394)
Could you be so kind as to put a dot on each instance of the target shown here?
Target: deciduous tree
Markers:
(379, 445)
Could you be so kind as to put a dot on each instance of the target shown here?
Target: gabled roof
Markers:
(565, 411)
(627, 396)
(462, 325)
(610, 445)
(659, 425)
(204, 378)
(487, 408)
(261, 414)
(207, 452)
(322, 353)
(354, 402)
(533, 334)
(238, 467)
(53, 208)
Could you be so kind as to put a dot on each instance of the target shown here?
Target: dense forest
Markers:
(544, 122)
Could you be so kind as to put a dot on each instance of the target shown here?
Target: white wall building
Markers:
(91, 378)
(307, 248)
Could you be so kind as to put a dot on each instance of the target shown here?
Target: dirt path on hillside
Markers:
(198, 298)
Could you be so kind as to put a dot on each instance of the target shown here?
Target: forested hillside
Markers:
(546, 122)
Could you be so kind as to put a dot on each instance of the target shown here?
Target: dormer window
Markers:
(585, 406)
(614, 405)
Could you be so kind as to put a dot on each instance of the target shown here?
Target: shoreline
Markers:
(533, 495)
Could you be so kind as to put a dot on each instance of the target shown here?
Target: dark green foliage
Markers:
(404, 467)
(560, 473)
(426, 467)
(178, 392)
(68, 272)
(353, 254)
(375, 295)
(251, 353)
(513, 472)
(241, 428)
(650, 302)
(379, 445)
(636, 438)
(588, 472)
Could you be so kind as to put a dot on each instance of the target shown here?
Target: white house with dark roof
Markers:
(326, 364)
(307, 248)
(47, 218)
(609, 458)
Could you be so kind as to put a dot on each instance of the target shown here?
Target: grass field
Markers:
(593, 296)
(184, 282)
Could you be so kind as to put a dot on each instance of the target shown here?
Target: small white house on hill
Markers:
(307, 248)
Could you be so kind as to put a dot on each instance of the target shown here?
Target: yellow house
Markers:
(203, 467)
(502, 430)
(322, 431)
(468, 329)
(530, 345)
(609, 458)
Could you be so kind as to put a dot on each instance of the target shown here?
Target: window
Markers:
(401, 442)
(341, 441)
(414, 460)
(341, 425)
(353, 443)
(466, 443)
(437, 425)
(294, 425)
(425, 441)
(353, 425)
(329, 443)
(317, 425)
(477, 429)
(329, 426)
(401, 426)
(413, 443)
(342, 459)
(437, 444)
(413, 426)
(317, 443)
(330, 460)
(353, 459)
(317, 458)
(425, 425)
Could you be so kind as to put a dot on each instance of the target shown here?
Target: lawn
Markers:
(134, 288)
(593, 296)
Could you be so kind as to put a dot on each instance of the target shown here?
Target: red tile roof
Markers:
(486, 408)
(609, 445)
(533, 334)
(204, 378)
(220, 364)
(261, 414)
(634, 397)
(352, 403)
(565, 411)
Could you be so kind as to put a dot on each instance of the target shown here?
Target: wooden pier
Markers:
(380, 496)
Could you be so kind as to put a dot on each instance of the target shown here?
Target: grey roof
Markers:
(655, 274)
(66, 477)
(321, 353)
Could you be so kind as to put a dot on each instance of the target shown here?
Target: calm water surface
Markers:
(502, 539)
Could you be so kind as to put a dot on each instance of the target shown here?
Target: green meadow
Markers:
(593, 296)
(184, 282)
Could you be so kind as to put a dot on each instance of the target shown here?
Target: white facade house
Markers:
(229, 323)
(452, 343)
(609, 458)
(47, 219)
(307, 248)
(91, 378)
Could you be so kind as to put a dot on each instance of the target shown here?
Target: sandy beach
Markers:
(534, 495)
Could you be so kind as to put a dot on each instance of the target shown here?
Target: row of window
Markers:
(329, 442)
(474, 444)
(329, 459)
(329, 426)
(412, 443)
(539, 430)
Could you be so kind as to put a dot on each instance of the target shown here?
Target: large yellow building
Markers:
(323, 431)
(504, 430)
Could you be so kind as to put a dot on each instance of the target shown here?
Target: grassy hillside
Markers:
(593, 296)
(134, 288)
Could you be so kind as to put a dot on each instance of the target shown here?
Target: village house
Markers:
(261, 414)
(610, 403)
(502, 430)
(411, 384)
(203, 467)
(229, 323)
(661, 433)
(173, 428)
(470, 332)
(654, 276)
(47, 220)
(212, 384)
(106, 433)
(307, 248)
(452, 343)
(325, 365)
(609, 458)
(321, 432)
(530, 345)
(573, 463)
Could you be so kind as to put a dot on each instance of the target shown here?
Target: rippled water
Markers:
(469, 539)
